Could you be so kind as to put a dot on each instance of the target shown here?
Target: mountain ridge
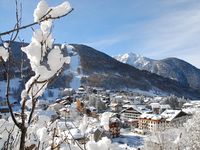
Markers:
(172, 68)
(90, 67)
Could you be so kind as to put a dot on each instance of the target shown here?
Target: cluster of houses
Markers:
(130, 110)
(143, 119)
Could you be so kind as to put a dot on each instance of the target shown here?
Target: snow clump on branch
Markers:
(41, 47)
(103, 144)
(43, 10)
(4, 52)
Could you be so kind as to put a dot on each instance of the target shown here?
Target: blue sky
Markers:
(152, 28)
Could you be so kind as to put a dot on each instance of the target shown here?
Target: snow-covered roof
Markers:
(139, 108)
(118, 97)
(192, 104)
(195, 101)
(155, 105)
(68, 89)
(158, 98)
(190, 110)
(64, 109)
(188, 104)
(113, 104)
(81, 89)
(128, 106)
(170, 114)
(146, 100)
(55, 105)
(165, 106)
(151, 116)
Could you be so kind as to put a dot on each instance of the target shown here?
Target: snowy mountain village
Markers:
(73, 97)
(93, 114)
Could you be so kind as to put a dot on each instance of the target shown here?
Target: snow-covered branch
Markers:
(46, 61)
(55, 14)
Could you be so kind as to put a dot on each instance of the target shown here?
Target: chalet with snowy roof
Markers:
(188, 105)
(164, 107)
(192, 104)
(155, 122)
(67, 100)
(155, 108)
(65, 112)
(131, 113)
(130, 116)
(115, 107)
(191, 107)
(68, 92)
(114, 127)
(81, 90)
(150, 122)
(175, 117)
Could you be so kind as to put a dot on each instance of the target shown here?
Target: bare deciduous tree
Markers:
(25, 121)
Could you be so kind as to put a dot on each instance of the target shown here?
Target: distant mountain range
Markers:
(90, 67)
(172, 68)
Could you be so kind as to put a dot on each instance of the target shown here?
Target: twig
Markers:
(34, 23)
(72, 136)
(54, 134)
(7, 94)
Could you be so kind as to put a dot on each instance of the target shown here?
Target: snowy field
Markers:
(129, 140)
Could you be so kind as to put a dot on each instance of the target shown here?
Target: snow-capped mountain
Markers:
(172, 68)
(135, 60)
(90, 67)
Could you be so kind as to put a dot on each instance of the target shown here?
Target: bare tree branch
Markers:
(34, 23)
(7, 94)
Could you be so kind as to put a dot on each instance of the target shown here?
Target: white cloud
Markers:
(105, 42)
(172, 29)
(175, 34)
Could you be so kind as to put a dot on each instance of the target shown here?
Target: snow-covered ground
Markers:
(129, 140)
(74, 65)
(75, 71)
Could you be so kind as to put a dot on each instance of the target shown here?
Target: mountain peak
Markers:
(172, 68)
(135, 60)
